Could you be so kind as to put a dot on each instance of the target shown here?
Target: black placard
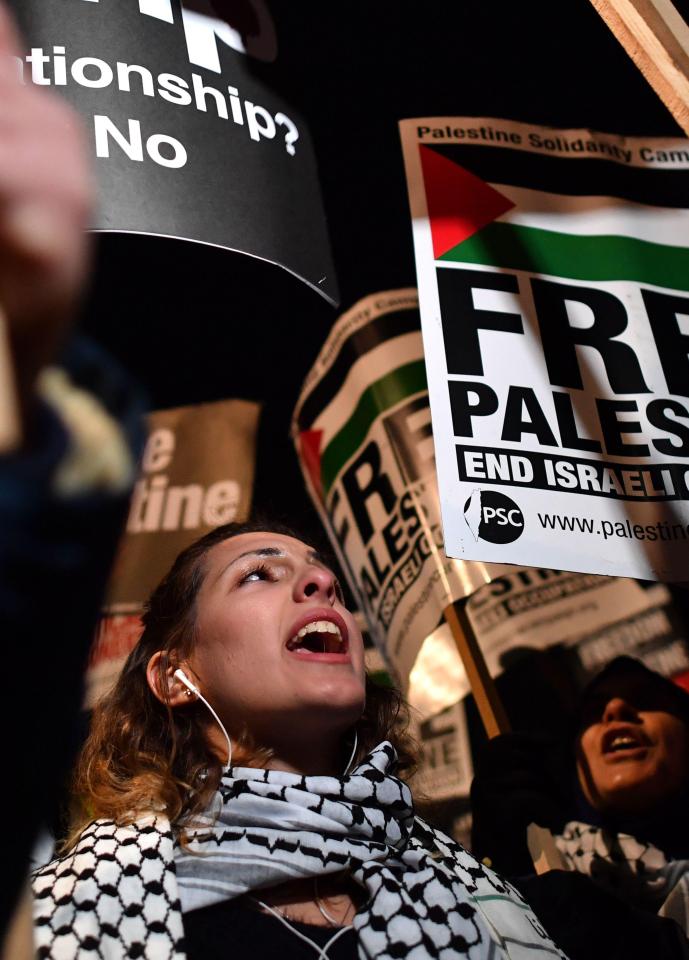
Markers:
(187, 143)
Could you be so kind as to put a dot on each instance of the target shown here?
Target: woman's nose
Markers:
(318, 582)
(619, 709)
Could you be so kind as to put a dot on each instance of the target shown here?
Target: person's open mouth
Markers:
(624, 743)
(320, 635)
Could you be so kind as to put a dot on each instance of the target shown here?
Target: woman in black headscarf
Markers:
(615, 798)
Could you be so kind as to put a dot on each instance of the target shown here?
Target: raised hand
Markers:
(45, 205)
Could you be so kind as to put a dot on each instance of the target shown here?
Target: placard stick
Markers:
(540, 840)
(10, 429)
(543, 850)
(657, 39)
(482, 684)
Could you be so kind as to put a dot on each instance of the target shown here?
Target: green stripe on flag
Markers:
(575, 257)
(376, 399)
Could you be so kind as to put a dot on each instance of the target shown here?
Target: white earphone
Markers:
(183, 678)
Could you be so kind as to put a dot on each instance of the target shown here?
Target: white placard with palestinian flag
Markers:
(362, 433)
(554, 289)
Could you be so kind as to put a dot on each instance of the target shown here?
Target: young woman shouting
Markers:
(244, 789)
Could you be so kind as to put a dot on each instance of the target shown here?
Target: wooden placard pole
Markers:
(482, 684)
(657, 39)
(10, 429)
(540, 841)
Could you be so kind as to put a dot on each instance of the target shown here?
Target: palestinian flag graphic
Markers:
(553, 274)
(589, 219)
(360, 374)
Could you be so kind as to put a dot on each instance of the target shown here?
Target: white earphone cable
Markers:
(351, 759)
(183, 678)
(222, 727)
(321, 907)
(321, 951)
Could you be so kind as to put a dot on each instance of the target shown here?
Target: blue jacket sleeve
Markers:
(55, 556)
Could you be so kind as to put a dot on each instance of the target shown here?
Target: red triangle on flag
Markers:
(310, 449)
(459, 203)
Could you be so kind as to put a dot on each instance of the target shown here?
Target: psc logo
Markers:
(493, 517)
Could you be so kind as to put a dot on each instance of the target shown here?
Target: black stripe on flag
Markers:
(383, 328)
(571, 177)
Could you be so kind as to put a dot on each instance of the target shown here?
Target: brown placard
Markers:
(196, 474)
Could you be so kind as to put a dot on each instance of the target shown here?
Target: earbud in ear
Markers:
(183, 678)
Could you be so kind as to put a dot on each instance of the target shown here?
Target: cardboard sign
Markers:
(554, 295)
(197, 473)
(362, 429)
(446, 769)
(187, 142)
(595, 618)
(362, 432)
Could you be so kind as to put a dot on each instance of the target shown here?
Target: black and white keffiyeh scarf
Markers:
(635, 870)
(427, 896)
(121, 891)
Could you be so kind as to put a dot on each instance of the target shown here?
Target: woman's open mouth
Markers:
(321, 638)
(624, 744)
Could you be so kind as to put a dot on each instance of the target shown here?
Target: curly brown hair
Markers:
(143, 756)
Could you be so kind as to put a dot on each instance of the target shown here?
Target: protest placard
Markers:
(554, 293)
(196, 473)
(187, 141)
(363, 435)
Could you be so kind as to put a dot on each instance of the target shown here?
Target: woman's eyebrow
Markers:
(260, 552)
